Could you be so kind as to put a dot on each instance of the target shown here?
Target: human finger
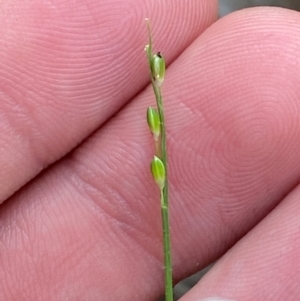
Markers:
(66, 67)
(100, 203)
(264, 265)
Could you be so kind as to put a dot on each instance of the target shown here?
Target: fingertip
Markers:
(215, 299)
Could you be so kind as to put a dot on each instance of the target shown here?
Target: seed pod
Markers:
(158, 172)
(153, 122)
(158, 68)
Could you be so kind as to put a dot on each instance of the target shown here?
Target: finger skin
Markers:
(264, 265)
(91, 225)
(66, 67)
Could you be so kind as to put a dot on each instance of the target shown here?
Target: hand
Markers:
(88, 227)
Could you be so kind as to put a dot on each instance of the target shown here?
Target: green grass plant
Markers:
(159, 166)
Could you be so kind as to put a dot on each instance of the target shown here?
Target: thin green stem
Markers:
(164, 198)
(167, 249)
(163, 144)
(161, 152)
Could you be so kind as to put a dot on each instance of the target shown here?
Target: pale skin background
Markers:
(72, 94)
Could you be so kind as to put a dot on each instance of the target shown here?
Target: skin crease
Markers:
(88, 227)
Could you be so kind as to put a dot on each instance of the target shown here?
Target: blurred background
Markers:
(225, 8)
(228, 6)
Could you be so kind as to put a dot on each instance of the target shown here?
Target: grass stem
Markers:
(161, 152)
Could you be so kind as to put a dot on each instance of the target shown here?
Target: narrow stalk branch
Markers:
(160, 168)
(167, 250)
